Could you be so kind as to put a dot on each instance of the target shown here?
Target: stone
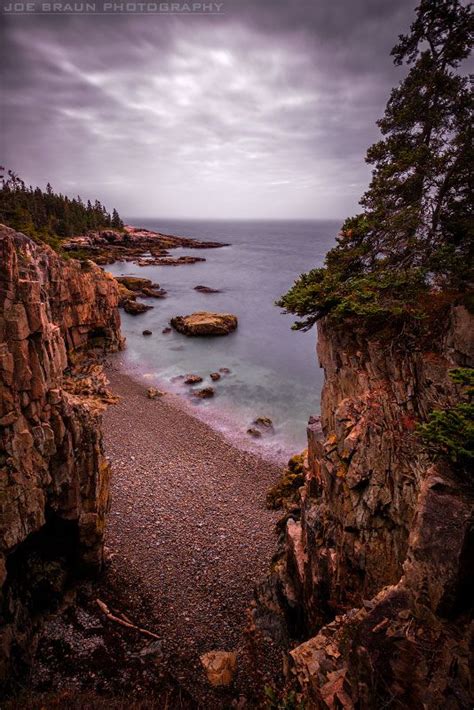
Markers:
(256, 433)
(204, 323)
(134, 308)
(192, 379)
(225, 370)
(205, 393)
(215, 376)
(147, 332)
(135, 283)
(220, 667)
(153, 393)
(206, 289)
(167, 331)
(264, 422)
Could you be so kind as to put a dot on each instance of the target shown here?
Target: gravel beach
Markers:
(188, 530)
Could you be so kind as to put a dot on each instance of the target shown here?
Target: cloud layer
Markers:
(264, 111)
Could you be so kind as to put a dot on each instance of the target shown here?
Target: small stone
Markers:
(192, 379)
(165, 331)
(264, 422)
(205, 393)
(147, 332)
(254, 432)
(224, 370)
(153, 393)
(215, 376)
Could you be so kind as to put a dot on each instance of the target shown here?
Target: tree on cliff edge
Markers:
(415, 233)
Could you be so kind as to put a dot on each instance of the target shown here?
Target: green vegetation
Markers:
(48, 216)
(413, 240)
(287, 701)
(450, 432)
(286, 490)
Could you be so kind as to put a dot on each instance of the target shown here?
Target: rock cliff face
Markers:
(54, 478)
(377, 573)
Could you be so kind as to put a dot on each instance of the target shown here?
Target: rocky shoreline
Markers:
(140, 246)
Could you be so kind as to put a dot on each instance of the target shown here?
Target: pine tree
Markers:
(415, 233)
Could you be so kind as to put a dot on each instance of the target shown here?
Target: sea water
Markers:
(274, 370)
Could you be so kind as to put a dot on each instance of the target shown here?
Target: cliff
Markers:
(54, 478)
(376, 569)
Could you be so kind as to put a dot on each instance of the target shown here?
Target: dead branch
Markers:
(128, 624)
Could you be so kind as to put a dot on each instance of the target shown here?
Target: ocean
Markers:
(273, 370)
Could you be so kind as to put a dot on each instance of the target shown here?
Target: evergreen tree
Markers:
(48, 216)
(415, 232)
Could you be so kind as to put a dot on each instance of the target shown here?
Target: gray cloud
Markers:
(265, 111)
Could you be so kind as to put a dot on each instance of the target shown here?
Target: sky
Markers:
(263, 109)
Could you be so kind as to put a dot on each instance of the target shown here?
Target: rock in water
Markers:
(147, 332)
(205, 393)
(192, 379)
(166, 331)
(264, 422)
(134, 308)
(220, 667)
(206, 289)
(204, 323)
(256, 433)
(215, 376)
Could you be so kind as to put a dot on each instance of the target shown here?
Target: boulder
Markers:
(205, 323)
(220, 667)
(215, 376)
(205, 393)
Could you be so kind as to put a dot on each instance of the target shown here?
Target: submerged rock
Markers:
(225, 370)
(205, 323)
(166, 331)
(206, 289)
(220, 667)
(215, 376)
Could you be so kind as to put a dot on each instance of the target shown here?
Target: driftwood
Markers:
(123, 621)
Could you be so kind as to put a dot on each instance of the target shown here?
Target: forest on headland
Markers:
(48, 216)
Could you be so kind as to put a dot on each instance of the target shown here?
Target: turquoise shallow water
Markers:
(274, 370)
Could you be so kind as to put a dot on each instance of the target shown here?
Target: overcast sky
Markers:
(264, 110)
